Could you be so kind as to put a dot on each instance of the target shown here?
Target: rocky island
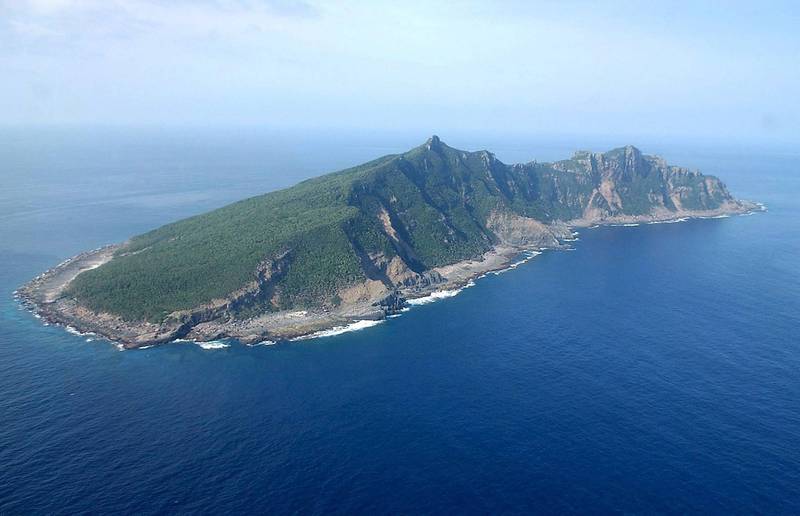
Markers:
(358, 244)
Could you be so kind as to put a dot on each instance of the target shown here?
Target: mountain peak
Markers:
(433, 142)
(625, 152)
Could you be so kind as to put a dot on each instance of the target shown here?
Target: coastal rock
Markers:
(393, 303)
(516, 230)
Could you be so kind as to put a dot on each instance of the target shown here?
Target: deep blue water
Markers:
(653, 369)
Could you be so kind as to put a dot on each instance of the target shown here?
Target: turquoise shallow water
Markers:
(652, 369)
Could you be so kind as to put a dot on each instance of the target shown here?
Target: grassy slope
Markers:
(191, 261)
(437, 198)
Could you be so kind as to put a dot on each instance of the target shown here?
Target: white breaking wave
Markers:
(212, 344)
(436, 296)
(338, 330)
(73, 331)
(262, 343)
(527, 257)
(670, 221)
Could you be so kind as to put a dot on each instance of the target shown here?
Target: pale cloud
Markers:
(586, 65)
(32, 29)
(47, 7)
(227, 17)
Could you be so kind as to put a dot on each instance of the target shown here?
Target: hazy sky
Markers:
(715, 69)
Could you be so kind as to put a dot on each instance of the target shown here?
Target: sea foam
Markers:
(435, 296)
(213, 344)
(338, 330)
(262, 343)
(73, 330)
(670, 221)
(525, 258)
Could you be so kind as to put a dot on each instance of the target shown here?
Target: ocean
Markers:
(653, 369)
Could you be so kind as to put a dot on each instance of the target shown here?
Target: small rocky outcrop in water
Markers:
(393, 303)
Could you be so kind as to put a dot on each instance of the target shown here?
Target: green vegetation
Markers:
(187, 263)
(436, 200)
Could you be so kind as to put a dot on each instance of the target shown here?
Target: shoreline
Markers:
(42, 296)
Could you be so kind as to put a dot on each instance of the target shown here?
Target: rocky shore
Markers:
(44, 295)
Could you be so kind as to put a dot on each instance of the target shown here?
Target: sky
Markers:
(724, 70)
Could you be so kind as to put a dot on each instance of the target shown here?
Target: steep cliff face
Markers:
(626, 182)
(358, 235)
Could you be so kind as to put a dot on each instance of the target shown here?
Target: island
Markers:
(359, 244)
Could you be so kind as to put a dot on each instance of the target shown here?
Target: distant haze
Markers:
(718, 70)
